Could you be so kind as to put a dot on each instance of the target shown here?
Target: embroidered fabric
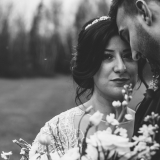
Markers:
(61, 130)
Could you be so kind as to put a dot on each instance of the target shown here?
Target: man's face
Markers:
(132, 31)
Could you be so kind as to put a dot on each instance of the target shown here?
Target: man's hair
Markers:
(129, 7)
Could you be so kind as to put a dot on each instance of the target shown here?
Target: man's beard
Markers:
(148, 46)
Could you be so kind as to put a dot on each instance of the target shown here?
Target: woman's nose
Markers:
(135, 56)
(119, 66)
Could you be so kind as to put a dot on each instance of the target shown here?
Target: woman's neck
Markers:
(102, 104)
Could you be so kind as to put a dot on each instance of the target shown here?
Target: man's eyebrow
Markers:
(126, 50)
(109, 50)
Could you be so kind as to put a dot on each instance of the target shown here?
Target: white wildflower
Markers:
(147, 130)
(112, 142)
(129, 117)
(144, 151)
(108, 130)
(121, 131)
(142, 138)
(140, 147)
(6, 155)
(22, 151)
(116, 104)
(111, 119)
(84, 158)
(96, 118)
(155, 146)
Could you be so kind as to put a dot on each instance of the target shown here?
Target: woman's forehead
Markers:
(116, 43)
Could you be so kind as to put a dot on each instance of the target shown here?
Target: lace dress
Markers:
(62, 131)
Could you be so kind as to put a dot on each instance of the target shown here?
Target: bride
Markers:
(101, 66)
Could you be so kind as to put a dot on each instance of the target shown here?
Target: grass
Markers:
(26, 104)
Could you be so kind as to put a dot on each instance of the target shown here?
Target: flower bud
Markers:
(124, 103)
(96, 118)
(44, 139)
(125, 86)
(126, 97)
(146, 118)
(116, 104)
(130, 97)
(129, 117)
(14, 141)
(123, 91)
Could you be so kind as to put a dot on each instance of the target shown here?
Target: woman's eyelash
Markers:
(108, 56)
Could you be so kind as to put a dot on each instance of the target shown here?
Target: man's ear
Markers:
(144, 11)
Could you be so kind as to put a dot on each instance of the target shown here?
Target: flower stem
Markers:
(48, 155)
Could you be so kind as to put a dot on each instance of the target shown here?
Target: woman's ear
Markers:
(144, 11)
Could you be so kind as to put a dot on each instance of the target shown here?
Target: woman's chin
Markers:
(117, 93)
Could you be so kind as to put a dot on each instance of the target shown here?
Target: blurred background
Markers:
(37, 39)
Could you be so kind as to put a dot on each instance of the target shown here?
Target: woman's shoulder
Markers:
(69, 114)
(64, 120)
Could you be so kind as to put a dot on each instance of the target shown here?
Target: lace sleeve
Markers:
(61, 131)
(51, 129)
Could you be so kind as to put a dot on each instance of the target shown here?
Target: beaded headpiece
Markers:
(97, 20)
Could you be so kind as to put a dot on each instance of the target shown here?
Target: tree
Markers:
(4, 46)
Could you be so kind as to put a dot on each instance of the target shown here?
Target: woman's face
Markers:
(117, 69)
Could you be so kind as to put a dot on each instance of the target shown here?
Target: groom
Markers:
(138, 23)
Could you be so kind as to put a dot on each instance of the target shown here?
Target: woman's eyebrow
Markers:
(109, 50)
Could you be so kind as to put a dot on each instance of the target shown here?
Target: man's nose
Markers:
(119, 66)
(135, 56)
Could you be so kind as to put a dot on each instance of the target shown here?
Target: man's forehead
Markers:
(121, 17)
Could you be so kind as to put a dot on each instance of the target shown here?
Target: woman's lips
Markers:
(120, 80)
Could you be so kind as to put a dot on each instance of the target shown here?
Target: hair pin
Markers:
(97, 20)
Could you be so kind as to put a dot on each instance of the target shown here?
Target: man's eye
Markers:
(128, 56)
(125, 36)
(107, 56)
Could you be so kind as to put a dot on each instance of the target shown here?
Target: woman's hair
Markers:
(87, 60)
